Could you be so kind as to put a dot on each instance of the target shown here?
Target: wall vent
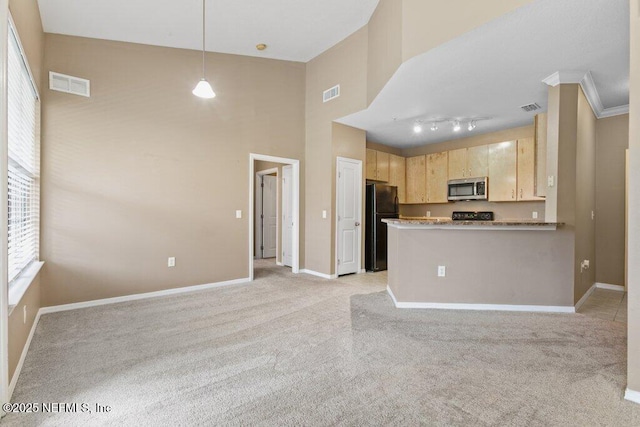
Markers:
(531, 107)
(69, 84)
(330, 94)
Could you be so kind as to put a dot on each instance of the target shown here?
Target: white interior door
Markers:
(287, 215)
(269, 216)
(349, 211)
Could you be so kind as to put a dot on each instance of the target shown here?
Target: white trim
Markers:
(315, 273)
(610, 287)
(362, 271)
(25, 349)
(279, 264)
(146, 295)
(295, 268)
(585, 296)
(4, 150)
(481, 307)
(361, 194)
(585, 80)
(632, 395)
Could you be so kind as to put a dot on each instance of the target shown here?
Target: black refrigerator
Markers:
(382, 203)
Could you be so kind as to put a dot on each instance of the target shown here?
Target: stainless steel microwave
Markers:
(468, 189)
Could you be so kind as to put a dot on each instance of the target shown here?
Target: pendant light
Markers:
(203, 88)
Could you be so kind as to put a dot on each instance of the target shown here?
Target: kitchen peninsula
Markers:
(489, 265)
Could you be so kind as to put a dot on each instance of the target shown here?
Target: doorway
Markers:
(348, 216)
(286, 181)
(267, 226)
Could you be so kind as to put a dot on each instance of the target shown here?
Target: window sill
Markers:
(21, 284)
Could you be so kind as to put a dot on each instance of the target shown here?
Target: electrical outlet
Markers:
(593, 215)
(428, 214)
(171, 262)
(535, 215)
(584, 265)
(324, 214)
(550, 181)
(238, 214)
(24, 314)
(442, 271)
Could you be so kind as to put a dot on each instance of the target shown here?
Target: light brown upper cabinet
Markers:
(541, 155)
(397, 177)
(470, 162)
(503, 169)
(527, 169)
(416, 180)
(437, 177)
(377, 165)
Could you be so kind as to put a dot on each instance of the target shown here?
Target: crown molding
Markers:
(585, 80)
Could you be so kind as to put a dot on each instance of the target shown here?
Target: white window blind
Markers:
(23, 143)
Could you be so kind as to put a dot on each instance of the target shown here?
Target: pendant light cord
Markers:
(203, 37)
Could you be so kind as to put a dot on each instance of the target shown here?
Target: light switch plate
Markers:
(535, 215)
(324, 214)
(171, 262)
(238, 214)
(442, 271)
(551, 181)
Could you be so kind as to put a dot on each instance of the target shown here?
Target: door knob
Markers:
(357, 224)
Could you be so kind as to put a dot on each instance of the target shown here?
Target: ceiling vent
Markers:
(530, 107)
(69, 84)
(330, 94)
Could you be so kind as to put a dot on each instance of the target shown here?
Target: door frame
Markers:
(359, 196)
(295, 201)
(259, 175)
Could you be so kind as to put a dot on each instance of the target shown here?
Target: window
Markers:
(23, 119)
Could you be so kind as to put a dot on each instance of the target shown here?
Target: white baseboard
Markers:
(632, 395)
(315, 273)
(279, 264)
(482, 307)
(610, 287)
(363, 271)
(25, 349)
(585, 296)
(135, 297)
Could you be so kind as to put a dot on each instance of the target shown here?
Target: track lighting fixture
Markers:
(472, 125)
(417, 128)
(434, 127)
(456, 126)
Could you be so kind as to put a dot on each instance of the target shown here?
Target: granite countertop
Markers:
(443, 221)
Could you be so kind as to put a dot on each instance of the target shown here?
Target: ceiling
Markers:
(294, 30)
(487, 73)
(493, 70)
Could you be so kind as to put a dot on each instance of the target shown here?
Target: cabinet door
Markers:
(416, 179)
(502, 171)
(397, 176)
(372, 159)
(458, 164)
(478, 161)
(437, 177)
(526, 169)
(382, 166)
(541, 155)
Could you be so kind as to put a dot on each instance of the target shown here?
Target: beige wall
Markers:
(143, 170)
(348, 142)
(534, 266)
(633, 369)
(344, 64)
(26, 17)
(585, 195)
(385, 46)
(427, 24)
(18, 328)
(612, 140)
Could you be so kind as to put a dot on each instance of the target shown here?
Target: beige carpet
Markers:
(298, 350)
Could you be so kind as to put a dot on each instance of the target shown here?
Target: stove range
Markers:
(472, 216)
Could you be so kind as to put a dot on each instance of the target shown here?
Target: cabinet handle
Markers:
(469, 172)
(513, 193)
(521, 193)
(463, 173)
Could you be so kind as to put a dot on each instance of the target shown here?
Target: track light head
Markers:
(456, 126)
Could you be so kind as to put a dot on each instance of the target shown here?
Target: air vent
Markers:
(69, 84)
(330, 94)
(531, 107)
